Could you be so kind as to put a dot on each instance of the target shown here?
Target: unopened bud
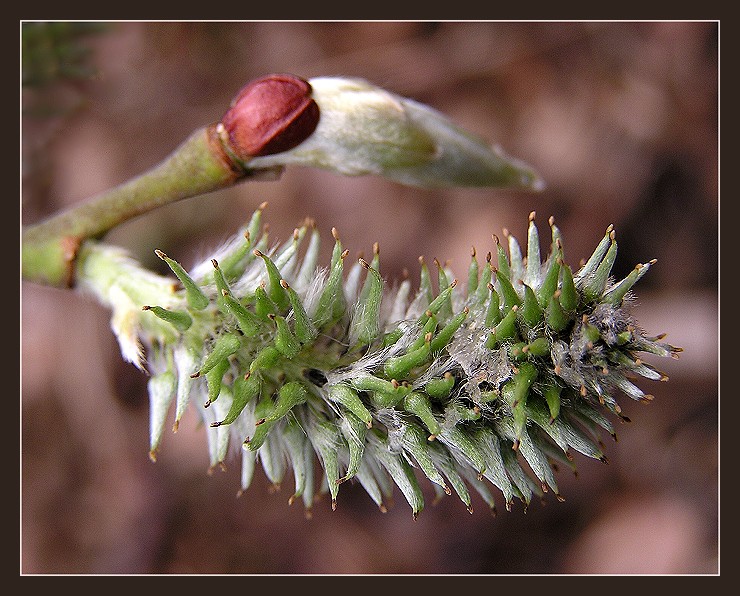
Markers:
(367, 130)
(270, 115)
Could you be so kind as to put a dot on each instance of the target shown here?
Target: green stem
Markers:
(198, 166)
(123, 285)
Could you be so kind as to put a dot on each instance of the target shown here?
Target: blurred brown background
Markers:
(621, 121)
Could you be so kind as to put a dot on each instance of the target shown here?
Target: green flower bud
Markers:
(195, 296)
(533, 251)
(275, 289)
(493, 312)
(506, 329)
(366, 322)
(445, 335)
(267, 357)
(326, 439)
(223, 347)
(263, 409)
(305, 330)
(473, 273)
(462, 444)
(347, 397)
(416, 442)
(550, 282)
(264, 307)
(568, 293)
(502, 262)
(427, 331)
(482, 292)
(593, 261)
(399, 469)
(245, 389)
(530, 311)
(418, 404)
(377, 385)
(247, 321)
(440, 388)
(538, 347)
(552, 397)
(214, 380)
(161, 392)
(398, 367)
(354, 432)
(594, 284)
(556, 317)
(181, 320)
(298, 447)
(290, 395)
(285, 341)
(616, 293)
(332, 304)
(446, 310)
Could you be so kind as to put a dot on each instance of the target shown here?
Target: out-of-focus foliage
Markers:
(56, 54)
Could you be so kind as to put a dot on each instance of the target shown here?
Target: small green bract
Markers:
(289, 363)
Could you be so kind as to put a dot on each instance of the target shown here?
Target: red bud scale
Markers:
(270, 115)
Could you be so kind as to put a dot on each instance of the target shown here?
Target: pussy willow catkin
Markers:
(289, 363)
